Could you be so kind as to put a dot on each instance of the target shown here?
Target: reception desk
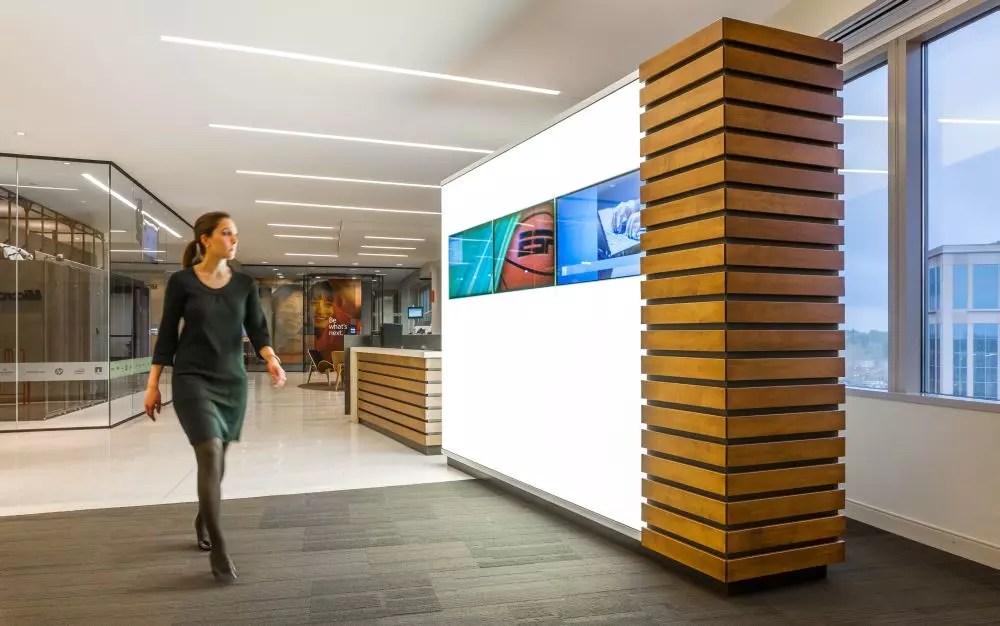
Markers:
(398, 393)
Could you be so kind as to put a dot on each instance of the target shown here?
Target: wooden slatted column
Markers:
(741, 282)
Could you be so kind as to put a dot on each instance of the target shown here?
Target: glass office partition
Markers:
(85, 248)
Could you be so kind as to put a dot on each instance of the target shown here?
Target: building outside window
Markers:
(960, 360)
(984, 345)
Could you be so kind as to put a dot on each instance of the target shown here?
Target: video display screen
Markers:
(524, 249)
(598, 231)
(470, 262)
(414, 312)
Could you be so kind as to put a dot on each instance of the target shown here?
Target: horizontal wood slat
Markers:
(684, 447)
(407, 433)
(759, 283)
(412, 386)
(825, 76)
(740, 88)
(692, 530)
(751, 255)
(692, 258)
(777, 397)
(427, 376)
(685, 421)
(760, 454)
(685, 474)
(783, 230)
(685, 367)
(781, 150)
(697, 70)
(688, 395)
(784, 340)
(686, 501)
(704, 230)
(400, 418)
(683, 51)
(683, 104)
(684, 286)
(785, 561)
(692, 340)
(789, 125)
(400, 407)
(769, 312)
(785, 424)
(783, 368)
(685, 313)
(771, 481)
(709, 175)
(797, 178)
(685, 554)
(428, 402)
(784, 41)
(400, 360)
(782, 204)
(785, 507)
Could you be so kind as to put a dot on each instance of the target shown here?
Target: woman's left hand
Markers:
(278, 377)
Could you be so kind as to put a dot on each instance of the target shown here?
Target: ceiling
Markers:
(92, 79)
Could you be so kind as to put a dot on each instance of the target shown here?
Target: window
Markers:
(866, 229)
(933, 358)
(984, 287)
(933, 289)
(984, 359)
(960, 360)
(962, 218)
(960, 287)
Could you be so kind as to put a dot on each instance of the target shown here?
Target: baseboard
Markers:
(960, 545)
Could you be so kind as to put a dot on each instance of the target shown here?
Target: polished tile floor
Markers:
(294, 441)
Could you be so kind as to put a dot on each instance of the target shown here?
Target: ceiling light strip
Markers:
(385, 142)
(387, 248)
(394, 238)
(306, 237)
(332, 256)
(302, 226)
(402, 256)
(952, 120)
(38, 187)
(312, 58)
(345, 208)
(336, 179)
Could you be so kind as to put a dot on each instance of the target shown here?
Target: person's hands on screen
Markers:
(623, 215)
(633, 226)
(278, 376)
(152, 402)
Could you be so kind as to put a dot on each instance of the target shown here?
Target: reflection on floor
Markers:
(97, 416)
(294, 441)
(443, 554)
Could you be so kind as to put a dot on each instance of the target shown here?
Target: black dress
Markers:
(209, 378)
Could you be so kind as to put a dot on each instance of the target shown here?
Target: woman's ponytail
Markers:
(204, 227)
(192, 253)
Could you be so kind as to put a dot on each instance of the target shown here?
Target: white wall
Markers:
(929, 473)
(544, 385)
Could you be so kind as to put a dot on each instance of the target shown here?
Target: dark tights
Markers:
(211, 457)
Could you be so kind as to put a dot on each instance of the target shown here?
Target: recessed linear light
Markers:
(385, 142)
(331, 256)
(865, 118)
(402, 256)
(306, 237)
(337, 180)
(38, 187)
(387, 248)
(346, 208)
(298, 56)
(857, 171)
(951, 120)
(19, 134)
(129, 204)
(302, 226)
(148, 251)
(119, 231)
(394, 238)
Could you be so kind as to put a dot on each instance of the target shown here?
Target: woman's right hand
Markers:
(152, 402)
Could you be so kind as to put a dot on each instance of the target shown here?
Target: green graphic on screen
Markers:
(470, 262)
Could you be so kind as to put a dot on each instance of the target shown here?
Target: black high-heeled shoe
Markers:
(224, 576)
(204, 543)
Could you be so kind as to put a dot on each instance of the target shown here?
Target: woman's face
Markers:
(223, 242)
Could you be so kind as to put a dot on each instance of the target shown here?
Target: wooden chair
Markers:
(317, 364)
(338, 366)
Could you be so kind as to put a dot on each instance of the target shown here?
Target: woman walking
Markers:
(209, 379)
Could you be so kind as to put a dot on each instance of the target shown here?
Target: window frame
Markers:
(902, 47)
